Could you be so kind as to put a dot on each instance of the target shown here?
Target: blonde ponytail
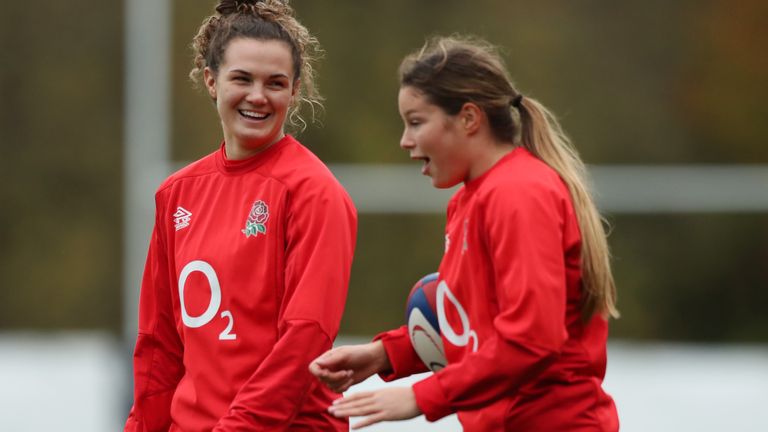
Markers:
(542, 135)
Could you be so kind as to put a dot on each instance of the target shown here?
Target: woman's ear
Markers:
(210, 82)
(470, 117)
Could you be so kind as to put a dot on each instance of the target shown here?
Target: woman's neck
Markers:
(488, 153)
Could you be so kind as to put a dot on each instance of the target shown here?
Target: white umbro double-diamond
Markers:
(182, 217)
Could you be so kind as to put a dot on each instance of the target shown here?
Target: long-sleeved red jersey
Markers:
(520, 357)
(245, 283)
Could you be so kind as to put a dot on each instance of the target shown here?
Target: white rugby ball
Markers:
(423, 325)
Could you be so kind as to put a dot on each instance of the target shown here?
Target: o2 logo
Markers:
(213, 305)
(467, 333)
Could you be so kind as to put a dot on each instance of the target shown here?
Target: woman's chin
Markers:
(443, 183)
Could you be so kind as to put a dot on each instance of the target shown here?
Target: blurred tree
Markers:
(723, 86)
(650, 82)
(692, 277)
(61, 135)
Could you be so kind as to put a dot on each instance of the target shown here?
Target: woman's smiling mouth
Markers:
(253, 115)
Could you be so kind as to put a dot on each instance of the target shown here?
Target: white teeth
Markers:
(254, 115)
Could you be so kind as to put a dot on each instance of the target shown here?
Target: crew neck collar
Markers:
(241, 165)
(477, 181)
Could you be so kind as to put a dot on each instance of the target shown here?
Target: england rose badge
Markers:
(257, 219)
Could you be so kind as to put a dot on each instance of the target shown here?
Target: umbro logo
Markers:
(182, 217)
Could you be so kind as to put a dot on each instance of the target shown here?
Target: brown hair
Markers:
(261, 20)
(452, 71)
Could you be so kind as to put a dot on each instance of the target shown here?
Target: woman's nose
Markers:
(256, 95)
(406, 143)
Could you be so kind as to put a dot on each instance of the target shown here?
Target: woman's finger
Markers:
(344, 386)
(355, 406)
(363, 409)
(334, 376)
(371, 419)
(354, 397)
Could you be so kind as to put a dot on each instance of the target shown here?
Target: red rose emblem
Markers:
(259, 213)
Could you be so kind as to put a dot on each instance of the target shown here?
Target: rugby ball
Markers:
(423, 325)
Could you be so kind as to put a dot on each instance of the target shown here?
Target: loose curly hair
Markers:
(261, 20)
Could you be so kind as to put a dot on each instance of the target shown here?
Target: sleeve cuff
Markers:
(401, 354)
(431, 399)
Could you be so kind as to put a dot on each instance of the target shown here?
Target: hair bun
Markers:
(227, 7)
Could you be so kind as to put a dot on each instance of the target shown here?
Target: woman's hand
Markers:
(394, 403)
(342, 367)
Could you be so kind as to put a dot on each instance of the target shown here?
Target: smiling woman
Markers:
(252, 90)
(247, 271)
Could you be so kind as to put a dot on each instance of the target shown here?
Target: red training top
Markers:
(245, 283)
(519, 356)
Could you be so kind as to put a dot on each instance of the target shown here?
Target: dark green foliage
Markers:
(651, 82)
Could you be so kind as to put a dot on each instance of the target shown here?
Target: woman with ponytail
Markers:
(247, 271)
(525, 278)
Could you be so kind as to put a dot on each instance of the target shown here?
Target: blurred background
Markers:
(666, 101)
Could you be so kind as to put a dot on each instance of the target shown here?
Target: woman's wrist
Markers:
(381, 361)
